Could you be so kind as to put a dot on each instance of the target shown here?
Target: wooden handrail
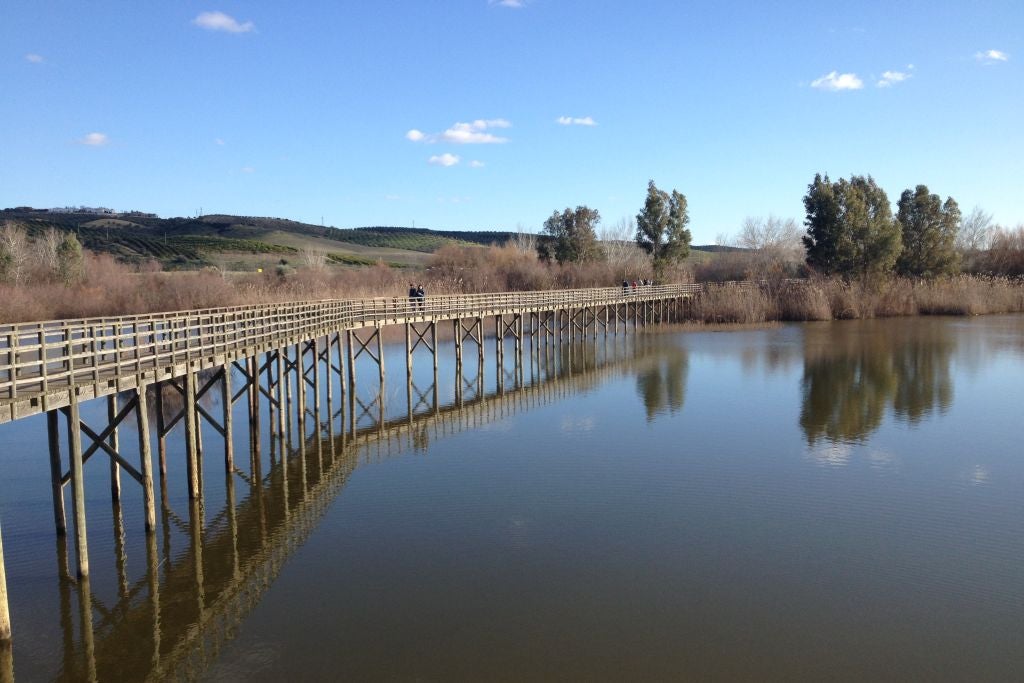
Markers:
(40, 356)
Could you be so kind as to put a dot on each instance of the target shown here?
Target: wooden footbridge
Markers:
(180, 615)
(278, 360)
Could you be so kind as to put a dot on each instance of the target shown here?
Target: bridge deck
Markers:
(41, 362)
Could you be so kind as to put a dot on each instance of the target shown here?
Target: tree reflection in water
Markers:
(662, 385)
(854, 372)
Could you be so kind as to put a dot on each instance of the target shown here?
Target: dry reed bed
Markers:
(111, 288)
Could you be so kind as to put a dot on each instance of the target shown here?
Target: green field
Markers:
(244, 241)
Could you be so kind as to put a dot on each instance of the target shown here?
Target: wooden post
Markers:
(330, 376)
(56, 473)
(253, 363)
(408, 355)
(161, 432)
(380, 359)
(351, 364)
(287, 403)
(77, 484)
(115, 469)
(300, 388)
(282, 377)
(191, 438)
(316, 382)
(342, 375)
(225, 398)
(145, 458)
(479, 325)
(433, 345)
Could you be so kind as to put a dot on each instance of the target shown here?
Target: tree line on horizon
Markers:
(851, 232)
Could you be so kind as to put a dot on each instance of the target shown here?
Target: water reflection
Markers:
(173, 619)
(662, 384)
(855, 372)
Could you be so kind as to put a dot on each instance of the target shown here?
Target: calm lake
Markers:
(825, 501)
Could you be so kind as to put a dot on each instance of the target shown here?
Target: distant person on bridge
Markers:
(413, 294)
(422, 295)
(625, 286)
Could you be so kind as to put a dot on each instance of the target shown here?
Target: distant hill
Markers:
(248, 242)
(244, 241)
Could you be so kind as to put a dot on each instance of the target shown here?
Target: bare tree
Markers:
(314, 259)
(620, 247)
(46, 246)
(14, 252)
(975, 233)
(770, 234)
(523, 242)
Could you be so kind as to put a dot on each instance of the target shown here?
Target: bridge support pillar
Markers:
(145, 459)
(115, 471)
(191, 435)
(56, 472)
(77, 486)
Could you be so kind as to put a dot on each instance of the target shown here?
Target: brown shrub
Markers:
(733, 304)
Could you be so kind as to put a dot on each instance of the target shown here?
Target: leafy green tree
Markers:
(571, 236)
(69, 259)
(850, 227)
(661, 228)
(929, 228)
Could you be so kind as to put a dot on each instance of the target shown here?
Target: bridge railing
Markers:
(40, 356)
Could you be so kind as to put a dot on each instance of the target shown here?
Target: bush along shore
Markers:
(109, 288)
(837, 299)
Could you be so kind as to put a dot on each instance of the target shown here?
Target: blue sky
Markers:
(477, 114)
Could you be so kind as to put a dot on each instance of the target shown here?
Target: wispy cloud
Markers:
(836, 81)
(890, 78)
(991, 56)
(218, 21)
(34, 58)
(516, 4)
(248, 169)
(576, 121)
(218, 141)
(472, 133)
(476, 164)
(446, 159)
(94, 140)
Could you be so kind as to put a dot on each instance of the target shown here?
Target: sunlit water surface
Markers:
(833, 501)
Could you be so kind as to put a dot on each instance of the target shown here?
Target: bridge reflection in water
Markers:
(171, 621)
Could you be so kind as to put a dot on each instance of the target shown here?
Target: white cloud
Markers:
(889, 78)
(218, 21)
(476, 164)
(991, 56)
(445, 159)
(577, 121)
(34, 58)
(218, 141)
(836, 81)
(248, 169)
(392, 197)
(95, 140)
(508, 3)
(472, 133)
